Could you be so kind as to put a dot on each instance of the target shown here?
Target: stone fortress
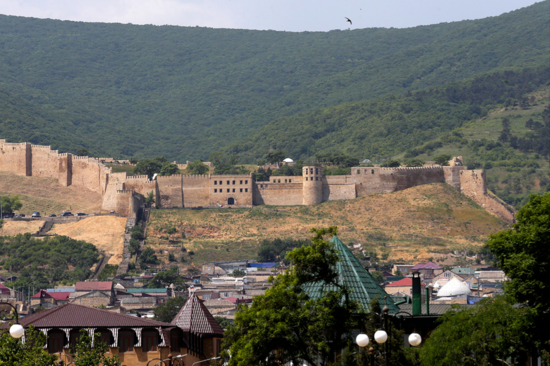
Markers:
(125, 193)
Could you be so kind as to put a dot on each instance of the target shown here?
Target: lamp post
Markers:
(16, 330)
(381, 336)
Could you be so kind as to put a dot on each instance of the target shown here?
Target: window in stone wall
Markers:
(233, 182)
(307, 170)
(278, 181)
(372, 171)
(227, 182)
(227, 190)
(286, 180)
(241, 190)
(290, 181)
(311, 170)
(246, 182)
(215, 190)
(240, 182)
(316, 178)
(215, 182)
(306, 178)
(316, 171)
(233, 190)
(358, 171)
(246, 189)
(274, 180)
(149, 340)
(221, 182)
(126, 341)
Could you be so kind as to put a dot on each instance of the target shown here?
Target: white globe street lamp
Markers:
(415, 339)
(17, 331)
(381, 336)
(362, 340)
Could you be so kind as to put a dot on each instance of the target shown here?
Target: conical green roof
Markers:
(351, 272)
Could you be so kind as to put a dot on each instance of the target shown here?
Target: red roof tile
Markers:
(91, 286)
(407, 281)
(59, 296)
(195, 318)
(78, 316)
(4, 289)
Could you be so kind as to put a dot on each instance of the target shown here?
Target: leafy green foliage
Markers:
(224, 164)
(86, 355)
(223, 322)
(393, 123)
(135, 90)
(167, 278)
(47, 261)
(14, 352)
(522, 253)
(167, 312)
(108, 271)
(491, 331)
(148, 256)
(275, 157)
(238, 273)
(10, 204)
(159, 165)
(443, 159)
(390, 164)
(197, 167)
(134, 246)
(285, 325)
(276, 249)
(150, 199)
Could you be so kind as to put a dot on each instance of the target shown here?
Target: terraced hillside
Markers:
(417, 223)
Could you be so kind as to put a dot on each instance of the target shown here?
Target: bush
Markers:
(171, 231)
(171, 257)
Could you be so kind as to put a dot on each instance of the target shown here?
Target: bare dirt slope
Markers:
(413, 224)
(105, 232)
(12, 228)
(47, 196)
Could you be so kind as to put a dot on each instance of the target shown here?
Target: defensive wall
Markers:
(124, 193)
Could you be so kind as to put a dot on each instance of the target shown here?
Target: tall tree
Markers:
(197, 167)
(167, 312)
(523, 254)
(286, 325)
(84, 354)
(506, 134)
(10, 204)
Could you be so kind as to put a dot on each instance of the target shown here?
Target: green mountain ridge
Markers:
(183, 92)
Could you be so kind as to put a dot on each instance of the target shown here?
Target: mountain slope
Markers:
(386, 126)
(183, 92)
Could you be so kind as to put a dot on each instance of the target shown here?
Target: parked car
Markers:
(52, 215)
(66, 213)
(21, 215)
(35, 214)
(80, 214)
(8, 215)
(112, 211)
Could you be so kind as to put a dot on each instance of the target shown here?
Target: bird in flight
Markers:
(348, 20)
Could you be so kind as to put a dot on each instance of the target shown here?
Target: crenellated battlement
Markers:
(191, 176)
(137, 177)
(122, 191)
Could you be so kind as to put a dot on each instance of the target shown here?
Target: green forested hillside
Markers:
(183, 92)
(389, 125)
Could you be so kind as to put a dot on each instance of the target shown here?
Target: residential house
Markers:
(427, 270)
(406, 269)
(402, 286)
(49, 300)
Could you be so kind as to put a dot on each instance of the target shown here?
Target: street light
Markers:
(16, 330)
(414, 338)
(380, 336)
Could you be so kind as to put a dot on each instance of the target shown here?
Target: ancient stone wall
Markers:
(89, 173)
(312, 185)
(45, 162)
(338, 188)
(267, 193)
(171, 190)
(16, 158)
(474, 185)
(234, 190)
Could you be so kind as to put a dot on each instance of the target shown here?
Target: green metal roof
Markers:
(350, 271)
(463, 270)
(146, 290)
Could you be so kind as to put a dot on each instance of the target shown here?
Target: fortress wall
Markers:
(333, 191)
(123, 203)
(224, 188)
(452, 175)
(65, 169)
(89, 173)
(110, 197)
(383, 180)
(266, 193)
(474, 185)
(16, 158)
(139, 184)
(171, 192)
(45, 162)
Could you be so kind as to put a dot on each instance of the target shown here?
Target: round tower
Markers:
(312, 180)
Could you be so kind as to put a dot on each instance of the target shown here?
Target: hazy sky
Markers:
(289, 15)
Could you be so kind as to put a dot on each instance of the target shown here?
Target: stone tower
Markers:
(312, 180)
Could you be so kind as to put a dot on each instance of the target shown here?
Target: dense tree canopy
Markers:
(10, 204)
(167, 312)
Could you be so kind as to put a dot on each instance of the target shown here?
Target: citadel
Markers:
(125, 193)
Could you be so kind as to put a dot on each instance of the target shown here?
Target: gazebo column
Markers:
(138, 333)
(114, 332)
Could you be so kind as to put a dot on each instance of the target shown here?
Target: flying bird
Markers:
(348, 20)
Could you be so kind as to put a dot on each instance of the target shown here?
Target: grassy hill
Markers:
(512, 172)
(183, 92)
(413, 225)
